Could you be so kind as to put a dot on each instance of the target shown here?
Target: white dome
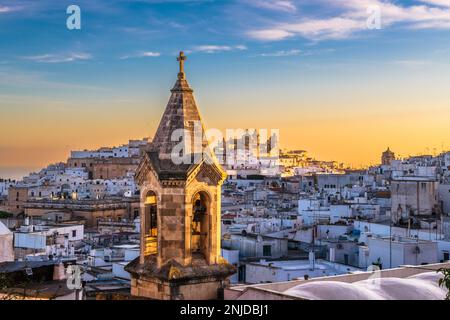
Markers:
(419, 287)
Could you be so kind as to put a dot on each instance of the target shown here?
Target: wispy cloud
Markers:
(282, 53)
(277, 5)
(351, 17)
(334, 28)
(32, 80)
(217, 48)
(138, 31)
(142, 54)
(176, 25)
(443, 3)
(413, 63)
(270, 34)
(6, 9)
(58, 58)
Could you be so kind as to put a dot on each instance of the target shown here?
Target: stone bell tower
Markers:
(180, 208)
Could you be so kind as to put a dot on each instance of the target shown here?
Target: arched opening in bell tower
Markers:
(151, 223)
(200, 224)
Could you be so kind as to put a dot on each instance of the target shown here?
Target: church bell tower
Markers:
(180, 255)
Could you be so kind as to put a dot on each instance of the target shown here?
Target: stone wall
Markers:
(413, 197)
(90, 216)
(17, 196)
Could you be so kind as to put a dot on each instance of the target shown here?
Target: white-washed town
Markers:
(223, 159)
(285, 220)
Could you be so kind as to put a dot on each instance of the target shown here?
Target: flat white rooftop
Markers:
(415, 178)
(297, 264)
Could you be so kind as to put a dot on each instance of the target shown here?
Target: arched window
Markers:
(200, 223)
(151, 223)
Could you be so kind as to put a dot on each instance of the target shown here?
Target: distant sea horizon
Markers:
(16, 173)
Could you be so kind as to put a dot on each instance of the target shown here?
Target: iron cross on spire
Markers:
(181, 58)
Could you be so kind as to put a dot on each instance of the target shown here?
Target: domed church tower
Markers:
(387, 157)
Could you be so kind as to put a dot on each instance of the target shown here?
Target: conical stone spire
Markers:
(181, 114)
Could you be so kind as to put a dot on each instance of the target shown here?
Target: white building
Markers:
(279, 271)
(44, 191)
(368, 229)
(120, 187)
(257, 246)
(120, 152)
(101, 153)
(385, 230)
(413, 196)
(232, 256)
(132, 149)
(130, 252)
(55, 239)
(400, 251)
(4, 186)
(313, 211)
(77, 172)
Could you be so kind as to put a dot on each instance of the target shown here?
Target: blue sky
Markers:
(254, 63)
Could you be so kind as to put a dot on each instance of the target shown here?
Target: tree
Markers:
(5, 215)
(445, 281)
(5, 284)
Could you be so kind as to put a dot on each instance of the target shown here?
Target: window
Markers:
(74, 233)
(267, 250)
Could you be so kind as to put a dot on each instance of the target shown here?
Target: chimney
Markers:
(332, 254)
(312, 258)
